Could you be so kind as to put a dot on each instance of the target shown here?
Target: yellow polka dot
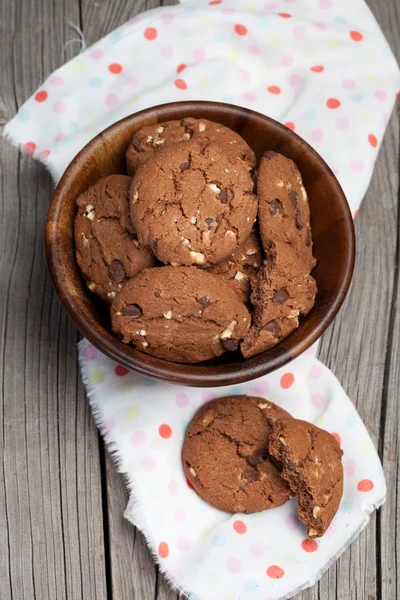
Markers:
(249, 8)
(45, 126)
(319, 422)
(77, 66)
(275, 42)
(367, 447)
(372, 78)
(205, 21)
(333, 43)
(366, 116)
(205, 532)
(96, 377)
(133, 100)
(202, 81)
(228, 598)
(132, 413)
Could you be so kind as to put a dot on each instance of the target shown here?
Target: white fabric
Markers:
(324, 68)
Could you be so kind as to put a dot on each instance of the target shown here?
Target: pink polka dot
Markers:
(60, 107)
(199, 54)
(228, 11)
(254, 49)
(208, 396)
(96, 54)
(381, 95)
(109, 425)
(348, 84)
(349, 467)
(181, 400)
(60, 136)
(138, 438)
(319, 25)
(167, 51)
(357, 166)
(149, 463)
(325, 3)
(331, 529)
(56, 80)
(295, 80)
(341, 123)
(335, 170)
(244, 76)
(132, 81)
(249, 96)
(233, 565)
(111, 100)
(180, 514)
(90, 353)
(298, 32)
(256, 550)
(173, 487)
(167, 18)
(318, 400)
(316, 371)
(183, 543)
(261, 388)
(286, 61)
(310, 351)
(292, 522)
(177, 575)
(290, 1)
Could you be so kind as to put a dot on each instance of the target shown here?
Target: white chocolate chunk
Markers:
(239, 276)
(202, 126)
(143, 332)
(214, 188)
(227, 332)
(168, 315)
(198, 258)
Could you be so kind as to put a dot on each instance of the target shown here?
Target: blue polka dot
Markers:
(357, 97)
(95, 82)
(185, 425)
(341, 20)
(24, 114)
(227, 99)
(220, 37)
(189, 8)
(262, 21)
(73, 127)
(351, 420)
(149, 382)
(235, 391)
(115, 36)
(346, 506)
(309, 114)
(218, 540)
(250, 586)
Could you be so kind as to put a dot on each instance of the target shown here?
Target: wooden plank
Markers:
(51, 504)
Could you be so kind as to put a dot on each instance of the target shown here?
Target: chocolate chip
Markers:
(138, 144)
(132, 310)
(116, 271)
(158, 293)
(280, 296)
(230, 345)
(300, 220)
(293, 197)
(222, 196)
(276, 207)
(129, 227)
(273, 327)
(250, 475)
(308, 237)
(184, 166)
(152, 241)
(210, 222)
(203, 301)
(187, 123)
(246, 154)
(254, 460)
(269, 154)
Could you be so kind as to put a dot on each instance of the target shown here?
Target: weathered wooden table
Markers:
(62, 532)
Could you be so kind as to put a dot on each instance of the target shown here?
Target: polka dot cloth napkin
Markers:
(324, 69)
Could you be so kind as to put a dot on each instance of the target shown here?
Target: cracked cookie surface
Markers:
(312, 465)
(153, 137)
(192, 204)
(181, 314)
(107, 249)
(225, 455)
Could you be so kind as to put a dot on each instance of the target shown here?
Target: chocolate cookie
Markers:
(312, 466)
(284, 214)
(153, 137)
(244, 263)
(282, 290)
(192, 204)
(181, 314)
(107, 249)
(225, 455)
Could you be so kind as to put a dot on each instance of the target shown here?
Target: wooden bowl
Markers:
(332, 229)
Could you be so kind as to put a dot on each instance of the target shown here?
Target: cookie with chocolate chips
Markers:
(312, 465)
(242, 265)
(225, 455)
(107, 249)
(153, 137)
(181, 314)
(193, 204)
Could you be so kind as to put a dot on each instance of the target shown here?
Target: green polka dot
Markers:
(96, 377)
(275, 42)
(125, 388)
(366, 116)
(132, 413)
(212, 579)
(372, 78)
(133, 52)
(367, 447)
(333, 43)
(233, 55)
(202, 81)
(45, 126)
(205, 21)
(77, 66)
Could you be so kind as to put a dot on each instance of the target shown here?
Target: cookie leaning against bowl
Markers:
(181, 314)
(225, 455)
(192, 204)
(312, 465)
(153, 137)
(107, 249)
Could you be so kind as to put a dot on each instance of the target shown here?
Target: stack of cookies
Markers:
(193, 260)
